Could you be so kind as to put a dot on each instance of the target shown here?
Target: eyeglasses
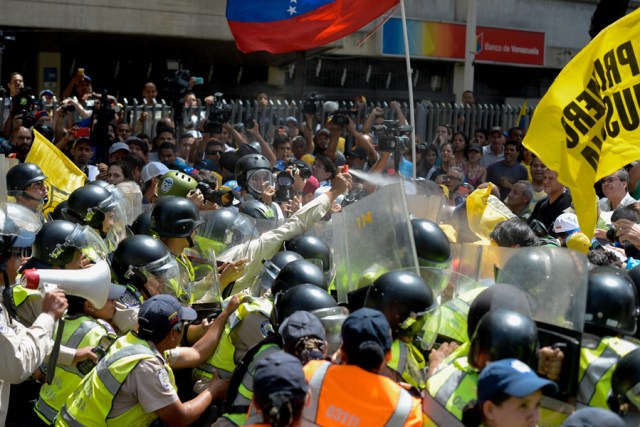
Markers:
(609, 180)
(451, 178)
(214, 153)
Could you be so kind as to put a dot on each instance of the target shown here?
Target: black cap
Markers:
(300, 324)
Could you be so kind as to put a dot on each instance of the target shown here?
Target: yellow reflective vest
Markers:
(408, 363)
(448, 392)
(91, 403)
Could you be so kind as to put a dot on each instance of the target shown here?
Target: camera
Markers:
(248, 122)
(175, 86)
(100, 350)
(393, 137)
(68, 108)
(284, 187)
(341, 117)
(23, 104)
(219, 113)
(302, 167)
(310, 105)
(219, 197)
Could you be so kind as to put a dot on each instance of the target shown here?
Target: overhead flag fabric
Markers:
(522, 116)
(63, 176)
(279, 26)
(586, 126)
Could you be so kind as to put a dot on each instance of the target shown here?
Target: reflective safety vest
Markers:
(236, 410)
(596, 367)
(185, 282)
(80, 332)
(453, 315)
(448, 392)
(408, 363)
(222, 362)
(20, 294)
(346, 395)
(92, 402)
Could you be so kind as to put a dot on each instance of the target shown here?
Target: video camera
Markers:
(23, 104)
(393, 137)
(341, 117)
(310, 105)
(219, 113)
(220, 197)
(175, 86)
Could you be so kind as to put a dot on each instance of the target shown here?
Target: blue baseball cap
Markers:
(160, 313)
(298, 325)
(279, 374)
(363, 326)
(511, 377)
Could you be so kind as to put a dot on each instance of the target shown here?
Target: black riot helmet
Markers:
(88, 204)
(305, 297)
(500, 295)
(139, 257)
(174, 217)
(18, 228)
(256, 209)
(612, 303)
(312, 248)
(432, 244)
(142, 224)
(297, 273)
(22, 175)
(503, 334)
(404, 298)
(253, 167)
(625, 383)
(270, 270)
(56, 244)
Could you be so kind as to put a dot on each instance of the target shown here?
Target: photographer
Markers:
(63, 121)
(363, 154)
(15, 85)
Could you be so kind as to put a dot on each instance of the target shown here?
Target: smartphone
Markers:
(199, 80)
(81, 71)
(81, 132)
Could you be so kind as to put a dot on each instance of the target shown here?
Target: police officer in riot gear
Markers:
(406, 301)
(624, 398)
(432, 245)
(174, 220)
(612, 311)
(500, 334)
(25, 182)
(316, 250)
(270, 269)
(92, 205)
(297, 273)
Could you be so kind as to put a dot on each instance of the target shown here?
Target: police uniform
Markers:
(246, 327)
(22, 350)
(81, 331)
(598, 359)
(125, 389)
(407, 364)
(270, 242)
(348, 395)
(448, 392)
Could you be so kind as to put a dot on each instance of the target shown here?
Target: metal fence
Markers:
(428, 116)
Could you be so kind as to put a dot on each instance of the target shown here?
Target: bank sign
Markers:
(447, 41)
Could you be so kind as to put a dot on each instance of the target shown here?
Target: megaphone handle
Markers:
(53, 358)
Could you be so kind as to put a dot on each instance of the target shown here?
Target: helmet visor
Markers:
(265, 279)
(86, 240)
(332, 320)
(258, 180)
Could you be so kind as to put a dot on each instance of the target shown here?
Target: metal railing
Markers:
(428, 116)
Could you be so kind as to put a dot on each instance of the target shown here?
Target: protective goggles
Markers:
(258, 180)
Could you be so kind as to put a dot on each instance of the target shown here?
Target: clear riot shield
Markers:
(207, 295)
(555, 280)
(4, 168)
(454, 293)
(371, 237)
(215, 234)
(425, 199)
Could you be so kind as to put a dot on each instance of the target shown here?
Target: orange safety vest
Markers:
(346, 395)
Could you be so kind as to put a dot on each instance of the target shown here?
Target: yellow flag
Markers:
(586, 126)
(63, 176)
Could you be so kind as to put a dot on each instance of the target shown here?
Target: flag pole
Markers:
(412, 113)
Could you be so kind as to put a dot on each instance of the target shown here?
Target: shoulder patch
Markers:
(266, 328)
(163, 377)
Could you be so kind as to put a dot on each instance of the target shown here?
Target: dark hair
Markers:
(168, 145)
(625, 212)
(126, 169)
(133, 162)
(140, 144)
(466, 142)
(513, 232)
(163, 127)
(212, 142)
(278, 140)
(369, 356)
(472, 413)
(602, 257)
(228, 161)
(328, 164)
(142, 136)
(307, 348)
(76, 305)
(483, 131)
(513, 142)
(281, 409)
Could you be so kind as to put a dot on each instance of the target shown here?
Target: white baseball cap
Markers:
(565, 223)
(152, 169)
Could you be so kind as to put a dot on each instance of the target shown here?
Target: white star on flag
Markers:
(292, 10)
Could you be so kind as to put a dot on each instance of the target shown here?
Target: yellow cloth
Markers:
(62, 175)
(485, 211)
(586, 126)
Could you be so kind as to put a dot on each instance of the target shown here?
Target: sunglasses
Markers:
(214, 153)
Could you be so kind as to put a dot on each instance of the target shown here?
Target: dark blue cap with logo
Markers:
(159, 314)
(364, 326)
(278, 373)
